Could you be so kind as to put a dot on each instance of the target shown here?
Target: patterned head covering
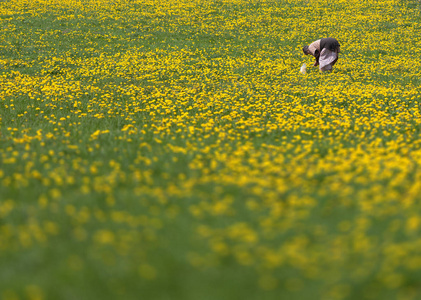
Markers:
(305, 50)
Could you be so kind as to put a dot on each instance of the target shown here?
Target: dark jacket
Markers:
(330, 44)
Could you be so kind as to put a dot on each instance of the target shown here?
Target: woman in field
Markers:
(325, 51)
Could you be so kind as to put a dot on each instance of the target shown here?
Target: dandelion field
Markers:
(172, 150)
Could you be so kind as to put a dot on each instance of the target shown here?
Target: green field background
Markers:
(156, 149)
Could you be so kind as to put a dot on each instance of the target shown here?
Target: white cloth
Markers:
(326, 59)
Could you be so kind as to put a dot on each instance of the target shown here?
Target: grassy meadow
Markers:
(156, 149)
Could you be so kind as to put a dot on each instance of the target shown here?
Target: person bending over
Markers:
(325, 51)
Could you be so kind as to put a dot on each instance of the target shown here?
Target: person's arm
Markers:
(317, 56)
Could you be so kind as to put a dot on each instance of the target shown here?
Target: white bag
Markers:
(303, 69)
